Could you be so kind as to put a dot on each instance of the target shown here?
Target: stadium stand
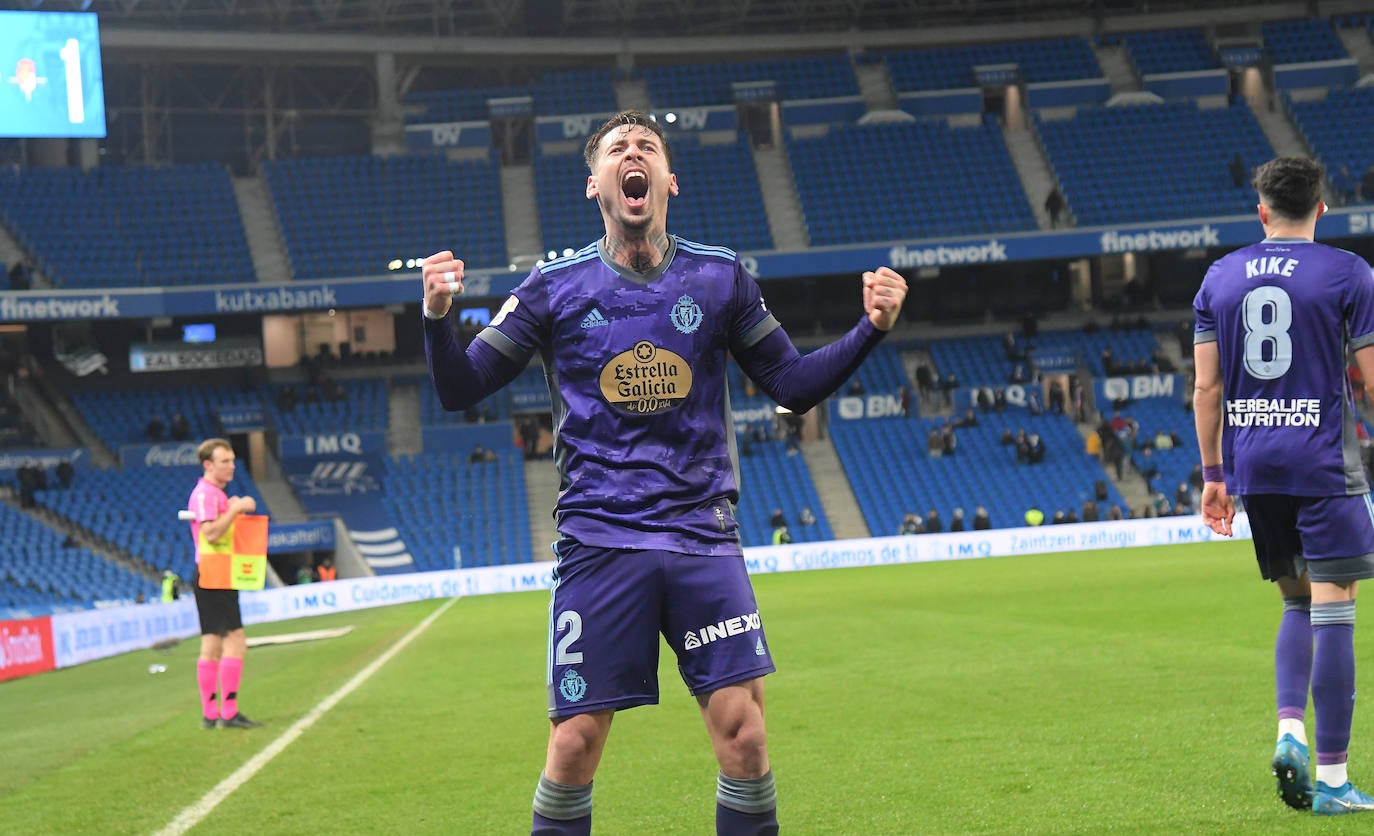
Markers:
(1337, 128)
(943, 68)
(38, 570)
(350, 216)
(128, 225)
(484, 519)
(1170, 51)
(556, 93)
(769, 479)
(462, 105)
(909, 180)
(135, 509)
(121, 416)
(1302, 41)
(892, 474)
(358, 404)
(720, 199)
(698, 85)
(1150, 162)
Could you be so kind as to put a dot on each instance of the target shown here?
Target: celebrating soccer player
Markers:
(1276, 425)
(633, 331)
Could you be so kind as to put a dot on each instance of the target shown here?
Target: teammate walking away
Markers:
(1276, 426)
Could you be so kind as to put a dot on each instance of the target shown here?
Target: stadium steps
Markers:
(875, 85)
(41, 415)
(11, 253)
(632, 94)
(541, 491)
(1117, 67)
(780, 200)
(403, 435)
(276, 491)
(524, 237)
(266, 245)
(101, 454)
(1357, 43)
(832, 485)
(1033, 169)
(1279, 129)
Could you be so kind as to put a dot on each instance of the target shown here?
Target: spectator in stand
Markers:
(911, 524)
(1092, 445)
(935, 444)
(781, 536)
(155, 429)
(933, 523)
(1036, 452)
(1056, 207)
(65, 473)
(1071, 516)
(1163, 440)
(327, 571)
(777, 519)
(1147, 467)
(855, 388)
(1058, 518)
(1183, 498)
(1344, 185)
(1114, 513)
(1366, 190)
(956, 522)
(970, 419)
(1240, 174)
(1034, 516)
(1089, 512)
(904, 400)
(948, 439)
(180, 428)
(805, 517)
(999, 399)
(1007, 439)
(981, 520)
(925, 379)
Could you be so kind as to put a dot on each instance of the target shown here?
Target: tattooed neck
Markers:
(639, 254)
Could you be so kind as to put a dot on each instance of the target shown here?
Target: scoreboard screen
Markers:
(50, 79)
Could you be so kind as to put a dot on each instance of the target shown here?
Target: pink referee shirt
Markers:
(207, 502)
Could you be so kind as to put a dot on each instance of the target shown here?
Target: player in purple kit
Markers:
(1276, 425)
(634, 332)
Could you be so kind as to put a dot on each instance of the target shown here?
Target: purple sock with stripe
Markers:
(1333, 678)
(1293, 658)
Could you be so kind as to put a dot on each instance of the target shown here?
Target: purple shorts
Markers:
(1330, 538)
(609, 607)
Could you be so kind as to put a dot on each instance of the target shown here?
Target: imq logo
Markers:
(327, 445)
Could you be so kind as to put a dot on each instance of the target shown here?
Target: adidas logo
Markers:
(758, 648)
(594, 319)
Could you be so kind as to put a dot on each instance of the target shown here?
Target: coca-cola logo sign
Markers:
(171, 455)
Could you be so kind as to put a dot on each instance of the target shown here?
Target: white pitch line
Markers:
(192, 815)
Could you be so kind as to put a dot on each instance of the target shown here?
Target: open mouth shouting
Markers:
(634, 186)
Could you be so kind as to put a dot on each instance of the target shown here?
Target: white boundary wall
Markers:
(94, 634)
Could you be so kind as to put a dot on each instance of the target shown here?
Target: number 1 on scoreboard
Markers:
(76, 102)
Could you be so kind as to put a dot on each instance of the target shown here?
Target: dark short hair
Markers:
(626, 118)
(1290, 186)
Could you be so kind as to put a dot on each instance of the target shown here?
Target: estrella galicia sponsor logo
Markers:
(595, 319)
(645, 380)
(699, 637)
(572, 686)
(686, 315)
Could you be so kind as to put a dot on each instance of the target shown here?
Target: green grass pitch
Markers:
(1092, 692)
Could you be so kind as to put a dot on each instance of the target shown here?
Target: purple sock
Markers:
(734, 823)
(1333, 678)
(1293, 658)
(556, 827)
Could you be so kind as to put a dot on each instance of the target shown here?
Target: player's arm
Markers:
(1217, 508)
(1364, 359)
(462, 376)
(800, 382)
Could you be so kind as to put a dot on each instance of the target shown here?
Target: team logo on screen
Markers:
(646, 380)
(572, 686)
(686, 315)
(26, 77)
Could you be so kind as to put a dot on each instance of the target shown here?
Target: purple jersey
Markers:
(636, 365)
(1284, 313)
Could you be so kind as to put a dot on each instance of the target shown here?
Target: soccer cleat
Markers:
(209, 723)
(239, 721)
(1328, 801)
(1292, 768)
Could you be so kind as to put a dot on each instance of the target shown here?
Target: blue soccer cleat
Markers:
(1340, 800)
(1291, 767)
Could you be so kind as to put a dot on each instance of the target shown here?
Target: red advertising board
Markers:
(25, 647)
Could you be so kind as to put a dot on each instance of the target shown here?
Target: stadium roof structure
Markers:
(611, 18)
